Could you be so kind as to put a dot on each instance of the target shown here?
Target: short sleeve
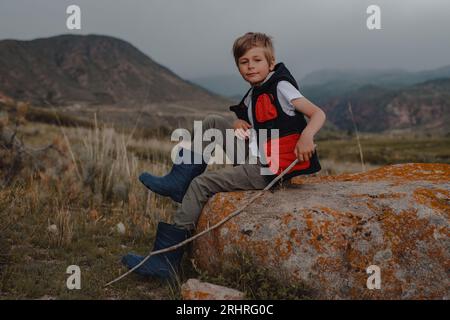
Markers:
(286, 93)
(248, 104)
(248, 99)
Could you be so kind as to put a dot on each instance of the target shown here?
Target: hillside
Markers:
(423, 106)
(90, 70)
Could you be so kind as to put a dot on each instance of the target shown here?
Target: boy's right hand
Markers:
(241, 129)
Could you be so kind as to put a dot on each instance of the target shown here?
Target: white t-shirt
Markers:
(286, 93)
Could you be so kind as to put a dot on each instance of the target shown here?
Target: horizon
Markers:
(347, 70)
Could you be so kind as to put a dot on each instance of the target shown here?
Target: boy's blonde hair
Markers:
(250, 40)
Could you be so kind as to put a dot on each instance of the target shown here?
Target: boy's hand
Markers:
(241, 129)
(305, 147)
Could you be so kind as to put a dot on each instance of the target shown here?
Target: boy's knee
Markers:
(197, 183)
(201, 185)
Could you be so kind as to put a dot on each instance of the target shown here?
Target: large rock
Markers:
(324, 232)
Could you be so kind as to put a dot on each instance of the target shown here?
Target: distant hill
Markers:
(423, 106)
(389, 77)
(92, 70)
(324, 84)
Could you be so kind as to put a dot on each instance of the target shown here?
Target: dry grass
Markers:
(61, 230)
(361, 154)
(67, 211)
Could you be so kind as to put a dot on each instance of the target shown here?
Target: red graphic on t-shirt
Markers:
(265, 110)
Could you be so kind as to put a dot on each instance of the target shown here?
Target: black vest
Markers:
(268, 114)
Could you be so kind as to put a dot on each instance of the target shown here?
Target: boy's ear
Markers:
(272, 64)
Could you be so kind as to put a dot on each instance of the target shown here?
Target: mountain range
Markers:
(86, 74)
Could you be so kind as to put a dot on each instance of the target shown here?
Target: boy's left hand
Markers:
(305, 147)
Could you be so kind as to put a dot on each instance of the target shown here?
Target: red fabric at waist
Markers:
(280, 156)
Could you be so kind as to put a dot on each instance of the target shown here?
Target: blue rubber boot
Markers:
(176, 182)
(164, 265)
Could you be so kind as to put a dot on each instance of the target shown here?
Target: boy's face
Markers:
(254, 67)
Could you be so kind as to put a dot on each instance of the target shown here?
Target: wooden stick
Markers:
(231, 215)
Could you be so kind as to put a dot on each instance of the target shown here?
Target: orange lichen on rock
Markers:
(438, 199)
(325, 231)
(437, 172)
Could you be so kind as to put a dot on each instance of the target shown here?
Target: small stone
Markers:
(46, 297)
(52, 229)
(120, 228)
(194, 289)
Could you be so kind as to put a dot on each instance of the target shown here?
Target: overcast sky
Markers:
(194, 37)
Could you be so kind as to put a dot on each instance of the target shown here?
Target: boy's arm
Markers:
(305, 145)
(314, 113)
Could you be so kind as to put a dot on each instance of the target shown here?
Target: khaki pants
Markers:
(231, 178)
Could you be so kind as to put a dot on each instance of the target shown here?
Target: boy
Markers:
(272, 102)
